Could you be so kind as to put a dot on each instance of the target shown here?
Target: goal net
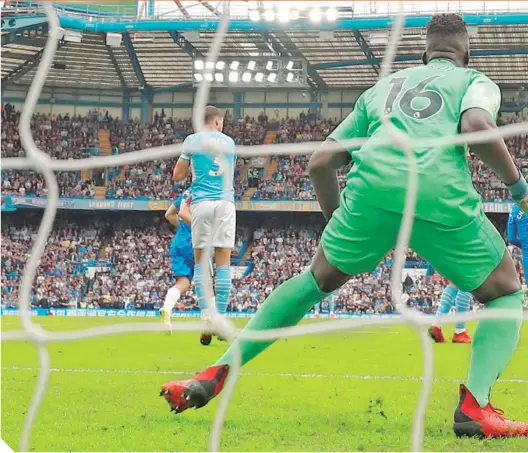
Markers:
(39, 161)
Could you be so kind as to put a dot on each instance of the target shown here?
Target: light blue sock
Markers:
(222, 288)
(447, 300)
(198, 287)
(462, 303)
(331, 303)
(317, 308)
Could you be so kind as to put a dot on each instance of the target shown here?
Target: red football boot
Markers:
(462, 337)
(436, 334)
(197, 391)
(471, 420)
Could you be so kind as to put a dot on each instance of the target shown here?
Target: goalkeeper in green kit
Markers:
(442, 98)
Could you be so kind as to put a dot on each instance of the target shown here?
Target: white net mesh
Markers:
(40, 161)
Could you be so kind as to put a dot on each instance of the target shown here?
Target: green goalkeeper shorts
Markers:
(359, 236)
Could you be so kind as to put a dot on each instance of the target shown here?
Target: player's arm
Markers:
(512, 230)
(172, 215)
(181, 169)
(322, 167)
(185, 211)
(480, 106)
(493, 153)
(324, 164)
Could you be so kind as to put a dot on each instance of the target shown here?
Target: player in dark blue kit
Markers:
(181, 253)
(518, 233)
(182, 260)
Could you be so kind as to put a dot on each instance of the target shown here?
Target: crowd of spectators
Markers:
(485, 181)
(59, 281)
(132, 268)
(72, 137)
(62, 137)
(290, 179)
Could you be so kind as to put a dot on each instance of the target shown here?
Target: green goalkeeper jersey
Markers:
(425, 103)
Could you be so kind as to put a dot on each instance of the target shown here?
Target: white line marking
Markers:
(294, 375)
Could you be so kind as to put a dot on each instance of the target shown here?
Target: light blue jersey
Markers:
(518, 233)
(209, 170)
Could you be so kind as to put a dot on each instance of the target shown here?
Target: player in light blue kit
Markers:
(461, 300)
(518, 234)
(332, 297)
(213, 203)
(181, 254)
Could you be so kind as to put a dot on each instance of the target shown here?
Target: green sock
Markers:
(284, 307)
(493, 345)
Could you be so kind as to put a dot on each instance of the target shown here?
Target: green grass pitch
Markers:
(338, 392)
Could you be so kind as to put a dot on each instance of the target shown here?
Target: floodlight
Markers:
(209, 65)
(269, 65)
(284, 14)
(315, 15)
(198, 65)
(219, 77)
(220, 65)
(289, 77)
(269, 15)
(233, 77)
(234, 65)
(198, 77)
(294, 14)
(246, 77)
(272, 77)
(251, 65)
(254, 16)
(208, 76)
(289, 66)
(331, 14)
(259, 77)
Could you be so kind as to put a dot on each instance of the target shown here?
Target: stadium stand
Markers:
(66, 137)
(130, 252)
(136, 267)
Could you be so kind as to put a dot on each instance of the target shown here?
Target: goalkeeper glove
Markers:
(519, 193)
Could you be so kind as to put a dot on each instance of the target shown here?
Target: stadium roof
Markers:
(160, 50)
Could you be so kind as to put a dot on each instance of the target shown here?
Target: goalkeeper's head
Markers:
(447, 38)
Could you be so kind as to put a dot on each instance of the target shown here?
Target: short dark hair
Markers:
(211, 113)
(446, 25)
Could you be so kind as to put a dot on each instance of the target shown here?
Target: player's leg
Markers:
(288, 305)
(474, 258)
(206, 335)
(201, 227)
(284, 307)
(354, 241)
(317, 309)
(331, 305)
(182, 285)
(222, 279)
(463, 305)
(447, 301)
(494, 342)
(223, 234)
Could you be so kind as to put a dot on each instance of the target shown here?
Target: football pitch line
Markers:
(360, 377)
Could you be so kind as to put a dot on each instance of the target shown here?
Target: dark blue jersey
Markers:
(181, 243)
(518, 229)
